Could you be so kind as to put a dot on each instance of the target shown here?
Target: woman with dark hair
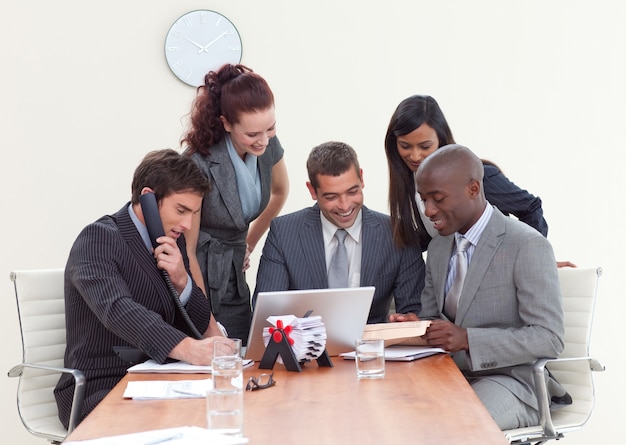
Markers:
(232, 137)
(417, 128)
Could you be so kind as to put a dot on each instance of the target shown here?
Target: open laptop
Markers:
(344, 313)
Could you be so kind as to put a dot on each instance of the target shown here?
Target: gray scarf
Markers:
(248, 181)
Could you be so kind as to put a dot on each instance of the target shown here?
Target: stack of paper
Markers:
(308, 335)
(398, 353)
(150, 367)
(186, 435)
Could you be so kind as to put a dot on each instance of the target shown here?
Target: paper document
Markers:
(167, 389)
(403, 353)
(186, 435)
(150, 366)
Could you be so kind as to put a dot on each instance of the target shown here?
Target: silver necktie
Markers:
(338, 269)
(452, 298)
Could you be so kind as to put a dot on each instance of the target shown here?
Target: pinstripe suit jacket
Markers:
(510, 303)
(293, 258)
(116, 296)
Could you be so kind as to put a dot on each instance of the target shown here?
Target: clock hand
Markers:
(206, 47)
(195, 43)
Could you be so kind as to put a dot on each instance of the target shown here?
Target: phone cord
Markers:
(179, 304)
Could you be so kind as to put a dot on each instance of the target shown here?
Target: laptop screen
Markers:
(344, 312)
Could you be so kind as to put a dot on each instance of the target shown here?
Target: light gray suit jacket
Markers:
(294, 258)
(510, 303)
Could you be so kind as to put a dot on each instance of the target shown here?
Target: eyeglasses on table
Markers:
(261, 382)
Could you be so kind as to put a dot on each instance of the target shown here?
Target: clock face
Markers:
(201, 41)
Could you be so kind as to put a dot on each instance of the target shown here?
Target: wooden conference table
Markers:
(426, 401)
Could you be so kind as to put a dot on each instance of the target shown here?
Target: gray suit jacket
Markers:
(510, 303)
(223, 228)
(294, 258)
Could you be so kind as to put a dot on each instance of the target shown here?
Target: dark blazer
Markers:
(510, 304)
(293, 258)
(502, 193)
(116, 296)
(512, 200)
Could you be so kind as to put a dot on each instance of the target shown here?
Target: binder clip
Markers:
(280, 344)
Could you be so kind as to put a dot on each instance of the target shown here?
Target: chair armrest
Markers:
(79, 387)
(543, 399)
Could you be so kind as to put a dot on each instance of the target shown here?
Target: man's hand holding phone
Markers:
(170, 259)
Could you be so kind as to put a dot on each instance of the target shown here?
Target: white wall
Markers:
(536, 86)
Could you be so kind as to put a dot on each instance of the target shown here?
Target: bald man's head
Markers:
(450, 183)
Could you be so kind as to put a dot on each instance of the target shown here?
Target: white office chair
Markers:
(573, 369)
(41, 312)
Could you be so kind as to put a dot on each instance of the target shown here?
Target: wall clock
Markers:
(201, 41)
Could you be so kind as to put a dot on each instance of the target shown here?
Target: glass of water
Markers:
(370, 358)
(225, 399)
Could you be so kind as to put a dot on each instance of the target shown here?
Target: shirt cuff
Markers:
(185, 295)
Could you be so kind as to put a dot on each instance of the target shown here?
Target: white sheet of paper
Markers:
(167, 389)
(187, 435)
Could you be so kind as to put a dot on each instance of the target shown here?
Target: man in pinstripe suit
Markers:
(509, 312)
(115, 294)
(299, 246)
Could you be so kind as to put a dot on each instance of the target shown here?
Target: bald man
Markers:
(509, 311)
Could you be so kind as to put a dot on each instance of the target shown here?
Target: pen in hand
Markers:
(164, 439)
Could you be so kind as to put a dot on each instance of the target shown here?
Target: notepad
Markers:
(167, 389)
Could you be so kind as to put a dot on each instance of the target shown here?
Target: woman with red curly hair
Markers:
(232, 137)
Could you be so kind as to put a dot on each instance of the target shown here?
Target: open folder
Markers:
(400, 333)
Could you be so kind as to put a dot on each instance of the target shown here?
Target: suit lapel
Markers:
(482, 257)
(439, 267)
(225, 181)
(371, 246)
(135, 243)
(312, 242)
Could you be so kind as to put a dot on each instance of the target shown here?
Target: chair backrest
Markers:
(41, 311)
(579, 289)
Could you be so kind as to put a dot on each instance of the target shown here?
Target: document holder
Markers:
(283, 348)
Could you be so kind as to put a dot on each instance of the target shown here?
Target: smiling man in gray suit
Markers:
(509, 312)
(299, 246)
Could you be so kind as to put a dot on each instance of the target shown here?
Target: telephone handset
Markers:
(150, 210)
